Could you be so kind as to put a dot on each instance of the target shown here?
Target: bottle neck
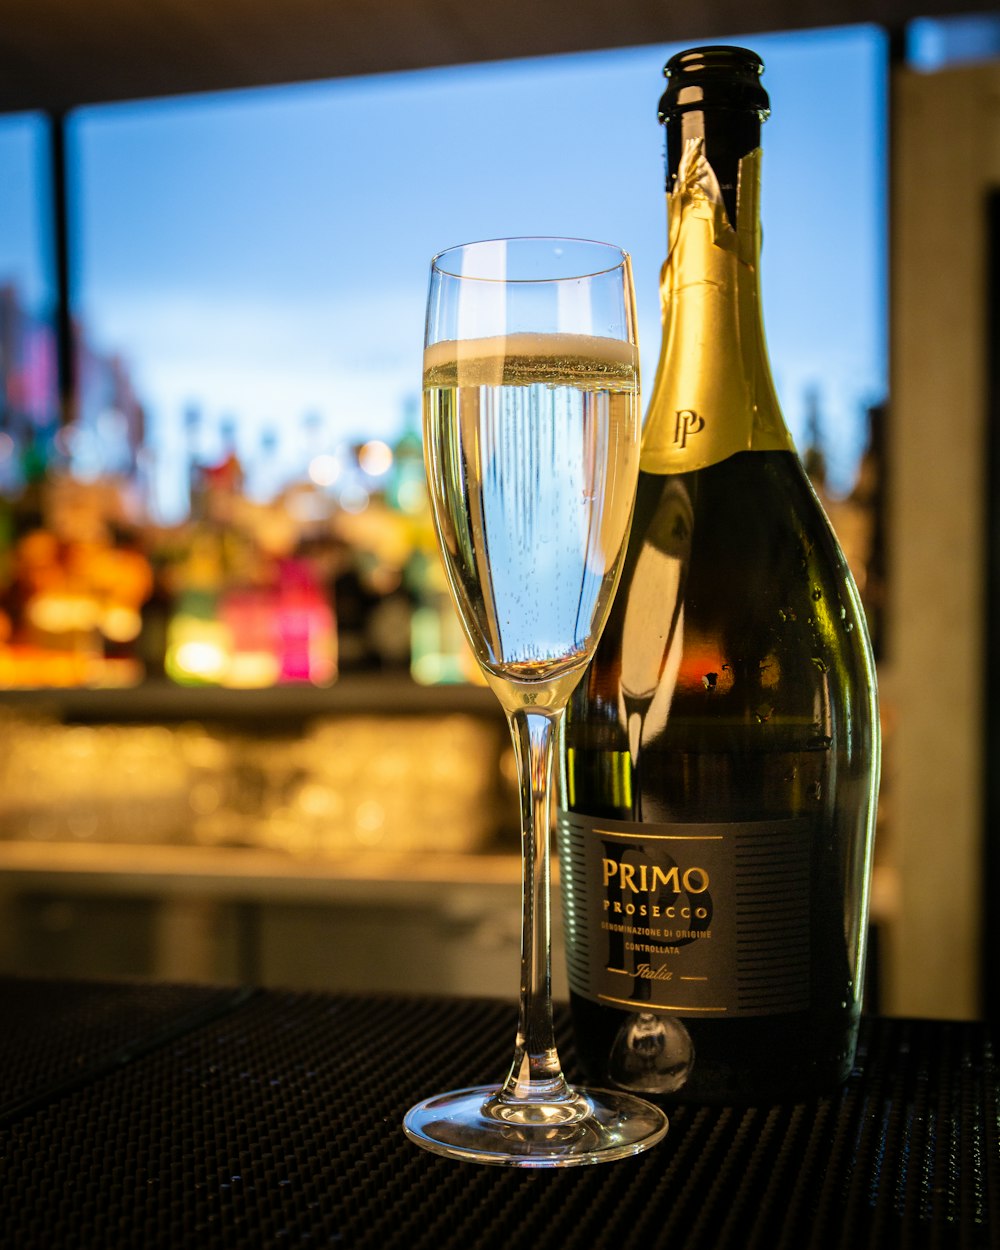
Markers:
(713, 394)
(727, 135)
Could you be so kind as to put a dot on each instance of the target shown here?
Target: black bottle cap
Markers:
(714, 77)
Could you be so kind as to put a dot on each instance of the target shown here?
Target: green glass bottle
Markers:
(720, 756)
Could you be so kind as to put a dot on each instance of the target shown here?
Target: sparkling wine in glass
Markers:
(531, 442)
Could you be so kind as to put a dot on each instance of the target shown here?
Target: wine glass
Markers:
(531, 428)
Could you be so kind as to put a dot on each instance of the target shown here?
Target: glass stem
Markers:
(536, 1073)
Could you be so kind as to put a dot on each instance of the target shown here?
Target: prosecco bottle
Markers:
(719, 766)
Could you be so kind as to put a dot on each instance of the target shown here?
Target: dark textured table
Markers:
(177, 1116)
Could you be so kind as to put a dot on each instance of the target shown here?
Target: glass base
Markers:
(480, 1126)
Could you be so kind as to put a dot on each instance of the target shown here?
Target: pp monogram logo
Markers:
(688, 422)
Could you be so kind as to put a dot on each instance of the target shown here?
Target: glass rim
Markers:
(623, 256)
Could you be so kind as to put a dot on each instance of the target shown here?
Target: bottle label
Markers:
(702, 920)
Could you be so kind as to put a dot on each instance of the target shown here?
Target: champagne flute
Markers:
(531, 429)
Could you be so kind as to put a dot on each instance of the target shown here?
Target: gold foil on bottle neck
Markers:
(713, 394)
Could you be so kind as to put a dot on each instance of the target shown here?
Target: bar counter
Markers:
(135, 1114)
